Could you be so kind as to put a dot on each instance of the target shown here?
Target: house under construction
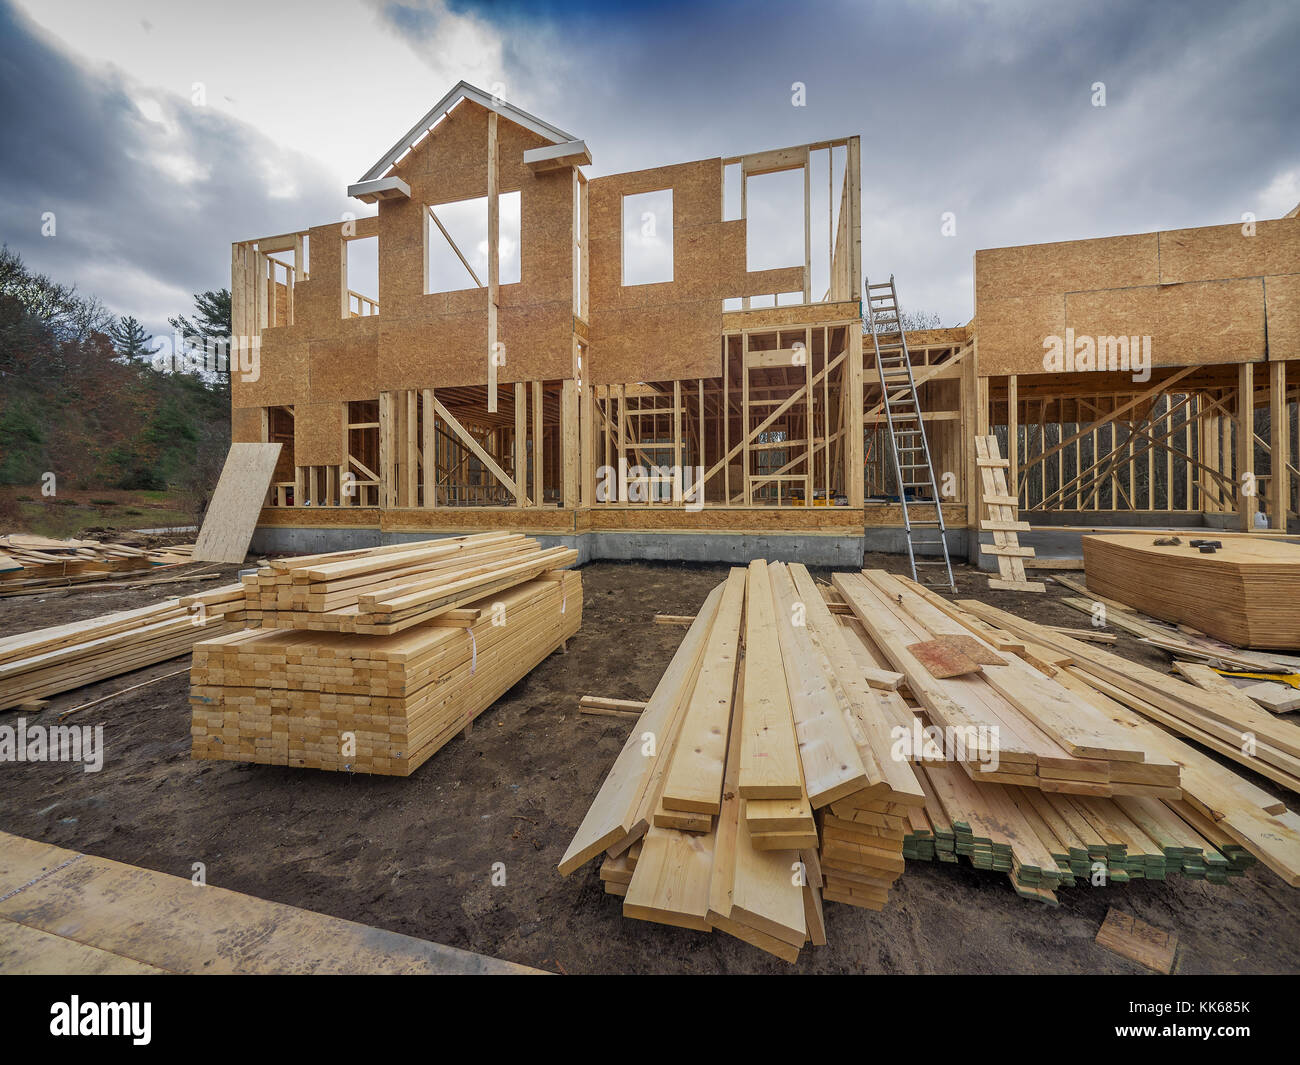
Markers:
(594, 361)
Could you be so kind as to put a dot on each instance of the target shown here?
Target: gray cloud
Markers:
(981, 109)
(146, 205)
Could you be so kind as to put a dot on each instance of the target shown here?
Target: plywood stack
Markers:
(35, 665)
(387, 590)
(1000, 515)
(767, 781)
(370, 703)
(1244, 592)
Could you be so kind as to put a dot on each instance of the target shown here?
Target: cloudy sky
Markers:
(159, 131)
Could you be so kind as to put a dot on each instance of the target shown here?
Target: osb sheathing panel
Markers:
(344, 366)
(1282, 305)
(1213, 252)
(281, 372)
(246, 425)
(1194, 324)
(441, 339)
(670, 329)
(318, 434)
(1069, 266)
(1011, 332)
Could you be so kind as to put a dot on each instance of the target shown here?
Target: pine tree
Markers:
(129, 338)
(209, 330)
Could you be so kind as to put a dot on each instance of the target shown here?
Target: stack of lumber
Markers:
(386, 590)
(1196, 653)
(1243, 593)
(1000, 516)
(33, 562)
(1021, 727)
(366, 703)
(1046, 841)
(758, 778)
(1223, 721)
(35, 665)
(790, 706)
(1151, 707)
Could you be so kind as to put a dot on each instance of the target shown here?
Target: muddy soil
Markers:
(417, 855)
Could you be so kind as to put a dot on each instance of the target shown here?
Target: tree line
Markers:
(81, 397)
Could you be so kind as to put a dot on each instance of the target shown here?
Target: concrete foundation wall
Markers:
(736, 548)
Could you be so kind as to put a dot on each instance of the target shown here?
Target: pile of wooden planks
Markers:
(1152, 707)
(1244, 592)
(32, 563)
(35, 665)
(794, 732)
(1019, 726)
(378, 703)
(1046, 841)
(386, 590)
(1221, 720)
(759, 777)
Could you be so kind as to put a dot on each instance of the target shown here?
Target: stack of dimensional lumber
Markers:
(1045, 841)
(1223, 721)
(371, 703)
(1266, 672)
(28, 561)
(1244, 593)
(1146, 704)
(1016, 724)
(763, 730)
(34, 665)
(385, 590)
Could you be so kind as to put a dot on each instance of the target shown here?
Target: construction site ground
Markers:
(418, 855)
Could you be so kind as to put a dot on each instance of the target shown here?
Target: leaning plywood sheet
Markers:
(237, 502)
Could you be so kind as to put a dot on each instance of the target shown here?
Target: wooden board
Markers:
(1138, 941)
(232, 515)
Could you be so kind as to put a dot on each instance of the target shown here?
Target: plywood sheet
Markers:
(1066, 266)
(232, 515)
(1215, 252)
(318, 434)
(246, 425)
(1282, 309)
(1012, 331)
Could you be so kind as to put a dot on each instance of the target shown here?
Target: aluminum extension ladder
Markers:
(912, 465)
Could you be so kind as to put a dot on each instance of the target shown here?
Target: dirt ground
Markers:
(416, 855)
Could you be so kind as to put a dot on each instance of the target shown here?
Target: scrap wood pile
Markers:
(286, 693)
(782, 738)
(35, 665)
(31, 563)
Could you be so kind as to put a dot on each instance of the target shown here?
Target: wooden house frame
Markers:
(725, 411)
